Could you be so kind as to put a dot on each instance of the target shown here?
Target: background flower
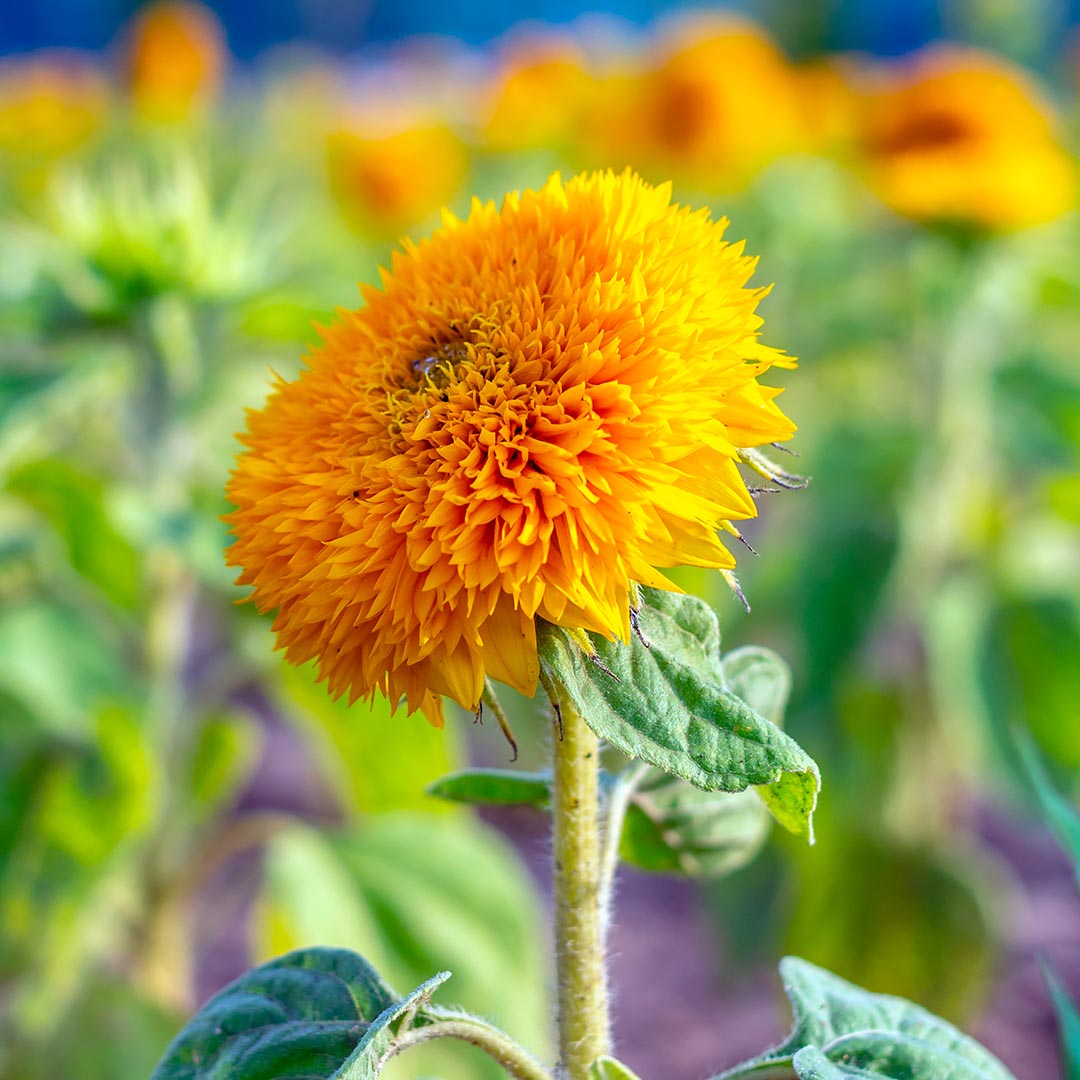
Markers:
(960, 136)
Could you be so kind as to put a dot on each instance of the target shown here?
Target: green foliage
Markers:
(109, 1014)
(842, 1031)
(1068, 1024)
(494, 787)
(1016, 680)
(669, 705)
(315, 1014)
(1063, 820)
(58, 665)
(1060, 815)
(375, 761)
(930, 913)
(672, 827)
(73, 503)
(153, 224)
(417, 893)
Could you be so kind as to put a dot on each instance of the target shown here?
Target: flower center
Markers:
(934, 130)
(439, 367)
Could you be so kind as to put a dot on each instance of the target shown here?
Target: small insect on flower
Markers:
(543, 405)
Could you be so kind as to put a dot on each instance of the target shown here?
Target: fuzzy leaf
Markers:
(675, 828)
(315, 1014)
(494, 787)
(761, 678)
(367, 1059)
(842, 1031)
(670, 706)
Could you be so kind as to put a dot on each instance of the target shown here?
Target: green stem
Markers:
(578, 894)
(944, 540)
(619, 795)
(518, 1063)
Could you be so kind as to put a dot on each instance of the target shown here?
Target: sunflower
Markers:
(51, 104)
(385, 181)
(543, 405)
(176, 58)
(537, 97)
(718, 102)
(957, 135)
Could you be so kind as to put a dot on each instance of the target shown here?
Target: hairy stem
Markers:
(518, 1063)
(578, 889)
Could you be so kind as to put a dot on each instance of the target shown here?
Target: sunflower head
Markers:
(542, 405)
(960, 136)
(718, 103)
(51, 104)
(176, 59)
(386, 181)
(537, 96)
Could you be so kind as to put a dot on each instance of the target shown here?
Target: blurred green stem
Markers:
(579, 894)
(518, 1063)
(151, 411)
(947, 518)
(620, 792)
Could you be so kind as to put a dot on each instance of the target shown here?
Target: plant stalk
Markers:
(518, 1064)
(578, 895)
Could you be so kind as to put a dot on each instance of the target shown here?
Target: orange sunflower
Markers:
(542, 405)
(961, 136)
(177, 58)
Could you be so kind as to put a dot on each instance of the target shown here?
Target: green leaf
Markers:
(368, 1058)
(675, 828)
(58, 665)
(1068, 1025)
(1016, 681)
(811, 1064)
(418, 893)
(607, 1068)
(375, 761)
(223, 756)
(843, 1031)
(1060, 815)
(73, 502)
(494, 787)
(669, 705)
(761, 678)
(315, 1014)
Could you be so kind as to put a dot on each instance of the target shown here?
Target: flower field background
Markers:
(176, 803)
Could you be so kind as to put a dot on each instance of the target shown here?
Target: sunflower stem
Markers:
(579, 896)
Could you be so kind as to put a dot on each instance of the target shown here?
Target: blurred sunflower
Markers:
(176, 60)
(536, 99)
(386, 179)
(542, 405)
(719, 103)
(961, 136)
(51, 104)
(828, 104)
